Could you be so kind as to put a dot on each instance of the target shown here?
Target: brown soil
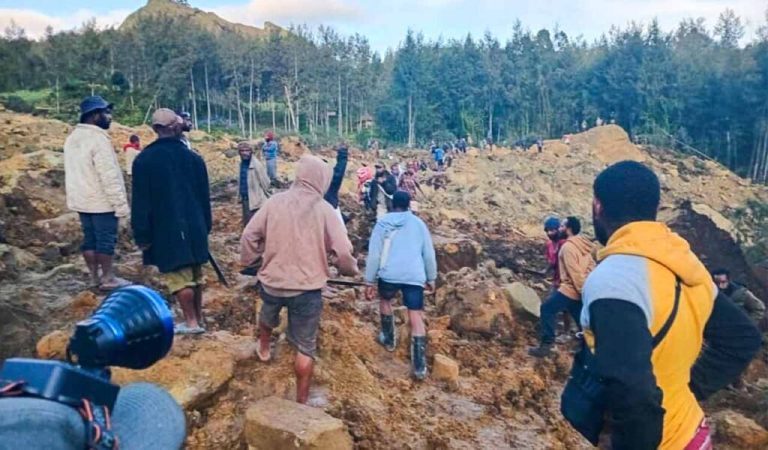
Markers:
(487, 227)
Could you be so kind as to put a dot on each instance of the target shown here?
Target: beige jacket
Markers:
(575, 263)
(93, 179)
(295, 232)
(258, 184)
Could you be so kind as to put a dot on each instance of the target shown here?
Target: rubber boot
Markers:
(419, 357)
(387, 336)
(542, 351)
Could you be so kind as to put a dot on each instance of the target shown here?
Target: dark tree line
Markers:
(696, 87)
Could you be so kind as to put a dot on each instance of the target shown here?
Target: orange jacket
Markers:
(575, 262)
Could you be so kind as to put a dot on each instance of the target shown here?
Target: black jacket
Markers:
(171, 208)
(332, 196)
(390, 187)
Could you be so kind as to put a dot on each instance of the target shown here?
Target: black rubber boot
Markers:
(419, 356)
(387, 336)
(542, 351)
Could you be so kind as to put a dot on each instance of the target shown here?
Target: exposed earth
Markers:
(485, 392)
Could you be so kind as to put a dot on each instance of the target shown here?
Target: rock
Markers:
(731, 428)
(195, 370)
(275, 423)
(14, 261)
(523, 298)
(83, 304)
(53, 345)
(483, 310)
(455, 253)
(445, 369)
(65, 229)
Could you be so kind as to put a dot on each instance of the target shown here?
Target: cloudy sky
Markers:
(385, 22)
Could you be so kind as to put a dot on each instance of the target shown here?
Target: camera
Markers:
(132, 328)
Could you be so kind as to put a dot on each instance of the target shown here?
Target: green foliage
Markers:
(18, 104)
(696, 84)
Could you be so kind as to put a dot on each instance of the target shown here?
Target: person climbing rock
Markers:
(95, 189)
(401, 258)
(739, 295)
(270, 150)
(131, 150)
(294, 234)
(332, 195)
(254, 182)
(575, 262)
(657, 336)
(171, 215)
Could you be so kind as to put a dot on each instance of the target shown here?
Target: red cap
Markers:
(269, 136)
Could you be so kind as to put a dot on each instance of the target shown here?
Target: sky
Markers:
(385, 23)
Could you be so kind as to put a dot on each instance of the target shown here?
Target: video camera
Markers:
(132, 328)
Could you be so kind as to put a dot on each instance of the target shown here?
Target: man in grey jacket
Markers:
(95, 189)
(254, 182)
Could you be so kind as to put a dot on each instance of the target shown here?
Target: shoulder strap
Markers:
(668, 324)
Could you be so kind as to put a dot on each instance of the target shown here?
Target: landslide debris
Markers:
(485, 391)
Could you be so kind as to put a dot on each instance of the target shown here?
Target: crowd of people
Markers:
(658, 332)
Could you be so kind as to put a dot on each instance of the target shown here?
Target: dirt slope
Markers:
(487, 227)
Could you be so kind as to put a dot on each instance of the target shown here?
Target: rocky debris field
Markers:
(484, 390)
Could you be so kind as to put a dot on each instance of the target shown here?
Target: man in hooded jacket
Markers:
(648, 275)
(294, 234)
(401, 257)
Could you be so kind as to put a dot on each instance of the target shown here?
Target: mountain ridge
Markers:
(203, 19)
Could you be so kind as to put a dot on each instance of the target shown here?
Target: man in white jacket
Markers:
(95, 189)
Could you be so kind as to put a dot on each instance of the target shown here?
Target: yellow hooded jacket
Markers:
(640, 264)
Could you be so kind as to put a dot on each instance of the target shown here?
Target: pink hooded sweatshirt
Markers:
(295, 232)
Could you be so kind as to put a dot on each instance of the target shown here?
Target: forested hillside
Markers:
(699, 86)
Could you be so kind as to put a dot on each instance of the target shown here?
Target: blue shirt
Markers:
(410, 256)
(439, 153)
(270, 150)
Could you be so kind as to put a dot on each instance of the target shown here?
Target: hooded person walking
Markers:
(401, 257)
(294, 234)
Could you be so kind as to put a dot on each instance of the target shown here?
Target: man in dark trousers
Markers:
(171, 215)
(650, 286)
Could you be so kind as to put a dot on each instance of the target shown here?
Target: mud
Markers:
(487, 225)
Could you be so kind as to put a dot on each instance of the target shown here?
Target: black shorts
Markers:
(304, 312)
(99, 232)
(413, 296)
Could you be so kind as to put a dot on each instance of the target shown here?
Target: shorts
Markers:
(413, 296)
(99, 232)
(304, 312)
(187, 277)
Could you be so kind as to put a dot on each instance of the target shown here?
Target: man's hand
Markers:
(370, 292)
(429, 288)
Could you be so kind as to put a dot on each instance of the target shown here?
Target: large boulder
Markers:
(482, 309)
(196, 369)
(736, 431)
(455, 253)
(275, 423)
(523, 298)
